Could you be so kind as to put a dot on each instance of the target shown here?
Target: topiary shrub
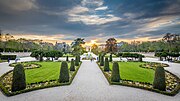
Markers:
(19, 79)
(99, 58)
(64, 73)
(115, 77)
(106, 65)
(67, 58)
(79, 58)
(159, 79)
(140, 58)
(72, 68)
(102, 61)
(76, 61)
(110, 58)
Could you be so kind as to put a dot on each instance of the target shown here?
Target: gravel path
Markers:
(90, 85)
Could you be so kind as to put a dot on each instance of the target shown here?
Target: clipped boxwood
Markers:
(106, 65)
(76, 61)
(64, 73)
(67, 58)
(5, 57)
(159, 79)
(72, 67)
(19, 79)
(115, 77)
(102, 61)
(110, 58)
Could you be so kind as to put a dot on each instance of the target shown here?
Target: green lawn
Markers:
(107, 55)
(48, 71)
(132, 71)
(69, 55)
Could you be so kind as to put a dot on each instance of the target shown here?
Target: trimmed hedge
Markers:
(76, 61)
(72, 68)
(106, 65)
(67, 58)
(159, 79)
(115, 77)
(64, 73)
(110, 58)
(5, 57)
(19, 79)
(102, 61)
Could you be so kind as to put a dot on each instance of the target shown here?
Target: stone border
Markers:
(7, 93)
(173, 93)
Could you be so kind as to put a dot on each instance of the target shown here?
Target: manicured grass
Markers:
(69, 55)
(48, 71)
(3, 61)
(132, 71)
(107, 55)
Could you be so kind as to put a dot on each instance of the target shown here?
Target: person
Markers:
(91, 59)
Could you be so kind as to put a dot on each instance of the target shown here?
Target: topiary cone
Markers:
(64, 73)
(72, 68)
(19, 79)
(106, 65)
(110, 58)
(102, 61)
(159, 79)
(76, 61)
(115, 77)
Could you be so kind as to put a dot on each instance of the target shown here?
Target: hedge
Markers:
(5, 57)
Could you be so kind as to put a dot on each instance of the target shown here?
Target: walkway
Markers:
(90, 85)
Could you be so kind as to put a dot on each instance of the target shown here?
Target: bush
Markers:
(99, 58)
(64, 73)
(72, 68)
(102, 61)
(5, 57)
(140, 58)
(67, 59)
(76, 61)
(159, 79)
(19, 79)
(115, 77)
(106, 65)
(110, 58)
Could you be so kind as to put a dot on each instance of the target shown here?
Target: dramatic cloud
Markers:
(95, 20)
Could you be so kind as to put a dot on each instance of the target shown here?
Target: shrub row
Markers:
(6, 57)
(132, 55)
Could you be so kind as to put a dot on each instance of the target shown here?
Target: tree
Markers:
(94, 49)
(115, 77)
(77, 46)
(159, 79)
(111, 45)
(106, 65)
(19, 79)
(64, 73)
(72, 68)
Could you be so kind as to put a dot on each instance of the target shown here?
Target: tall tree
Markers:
(94, 49)
(77, 46)
(111, 45)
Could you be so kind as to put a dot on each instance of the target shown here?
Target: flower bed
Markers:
(6, 82)
(172, 83)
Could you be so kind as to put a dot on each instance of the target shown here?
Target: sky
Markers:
(94, 20)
